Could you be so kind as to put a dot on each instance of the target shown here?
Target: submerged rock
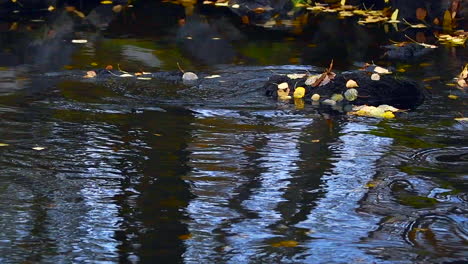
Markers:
(398, 92)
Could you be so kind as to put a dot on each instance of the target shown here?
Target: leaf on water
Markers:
(394, 17)
(185, 237)
(79, 41)
(315, 97)
(106, 2)
(452, 96)
(351, 84)
(212, 76)
(293, 76)
(299, 92)
(388, 108)
(4, 145)
(372, 111)
(285, 243)
(337, 97)
(447, 21)
(315, 140)
(283, 85)
(78, 13)
(283, 93)
(143, 78)
(235, 6)
(459, 119)
(375, 77)
(421, 13)
(90, 74)
(94, 64)
(351, 94)
(126, 75)
(381, 70)
(109, 67)
(117, 8)
(39, 148)
(51, 8)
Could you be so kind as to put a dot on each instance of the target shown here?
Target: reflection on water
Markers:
(128, 171)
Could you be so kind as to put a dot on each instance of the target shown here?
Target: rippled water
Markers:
(154, 171)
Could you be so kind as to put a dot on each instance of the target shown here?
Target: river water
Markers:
(153, 171)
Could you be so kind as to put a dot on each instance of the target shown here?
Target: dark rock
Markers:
(398, 92)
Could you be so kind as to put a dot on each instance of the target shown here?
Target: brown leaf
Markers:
(436, 21)
(109, 67)
(421, 13)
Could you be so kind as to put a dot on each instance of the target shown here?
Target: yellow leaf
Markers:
(459, 119)
(315, 97)
(343, 2)
(452, 96)
(283, 85)
(212, 76)
(447, 22)
(394, 17)
(351, 84)
(388, 115)
(375, 77)
(381, 70)
(94, 64)
(315, 140)
(286, 243)
(299, 92)
(79, 41)
(106, 2)
(4, 144)
(78, 13)
(51, 8)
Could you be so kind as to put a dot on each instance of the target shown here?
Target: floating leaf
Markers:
(337, 97)
(299, 92)
(452, 96)
(283, 93)
(351, 94)
(38, 148)
(185, 237)
(381, 70)
(459, 119)
(285, 243)
(375, 77)
(189, 76)
(90, 74)
(372, 111)
(315, 97)
(296, 76)
(51, 8)
(283, 85)
(447, 22)
(106, 2)
(394, 17)
(4, 145)
(144, 78)
(388, 108)
(329, 102)
(315, 140)
(421, 13)
(212, 76)
(94, 64)
(79, 41)
(126, 75)
(351, 84)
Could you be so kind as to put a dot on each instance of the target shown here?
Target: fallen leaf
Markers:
(109, 67)
(459, 119)
(375, 77)
(315, 140)
(79, 41)
(351, 84)
(143, 78)
(351, 94)
(38, 148)
(283, 93)
(421, 13)
(4, 145)
(452, 96)
(447, 22)
(296, 75)
(394, 17)
(117, 8)
(381, 70)
(212, 76)
(94, 64)
(51, 8)
(90, 74)
(106, 2)
(285, 243)
(315, 97)
(283, 85)
(299, 92)
(126, 75)
(185, 237)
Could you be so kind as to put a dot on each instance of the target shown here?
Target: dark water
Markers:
(137, 171)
